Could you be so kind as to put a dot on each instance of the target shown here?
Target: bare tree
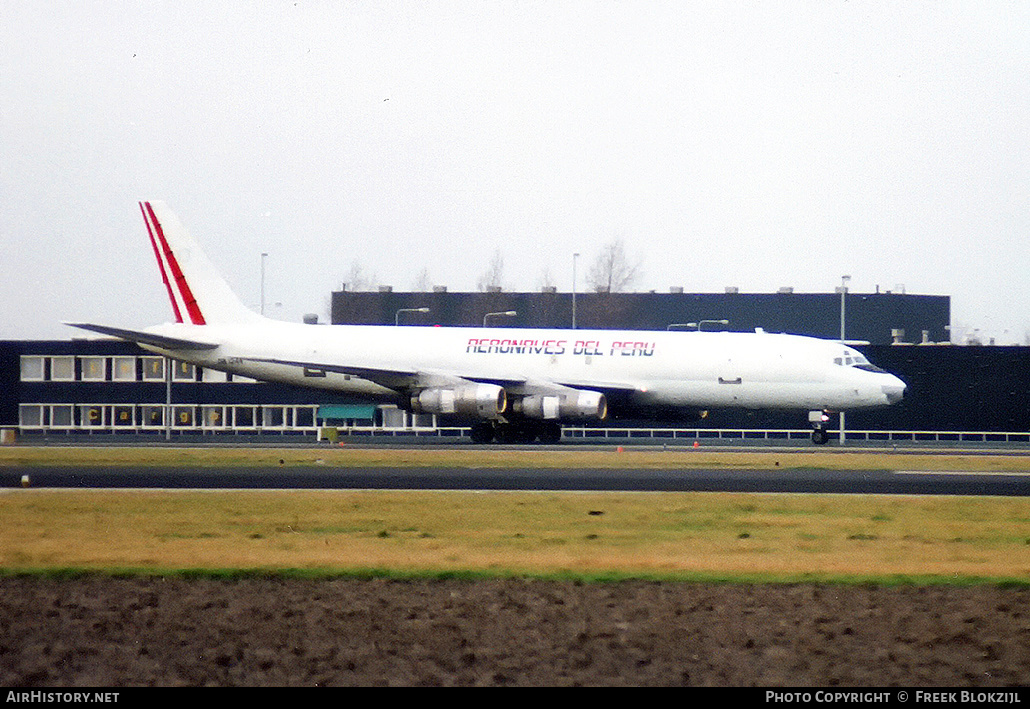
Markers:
(612, 271)
(545, 280)
(357, 280)
(494, 276)
(422, 283)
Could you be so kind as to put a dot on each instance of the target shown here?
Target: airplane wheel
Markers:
(524, 433)
(515, 433)
(482, 433)
(550, 433)
(505, 433)
(820, 436)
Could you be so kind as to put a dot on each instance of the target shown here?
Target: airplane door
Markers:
(730, 379)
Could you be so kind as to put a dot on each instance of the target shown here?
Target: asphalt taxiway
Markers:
(794, 480)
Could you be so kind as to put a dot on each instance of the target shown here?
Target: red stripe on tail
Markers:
(192, 307)
(160, 263)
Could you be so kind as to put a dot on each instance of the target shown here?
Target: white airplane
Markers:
(515, 384)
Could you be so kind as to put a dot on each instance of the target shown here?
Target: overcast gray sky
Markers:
(753, 144)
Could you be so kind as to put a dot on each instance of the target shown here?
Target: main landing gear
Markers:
(520, 431)
(819, 420)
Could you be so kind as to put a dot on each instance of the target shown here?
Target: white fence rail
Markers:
(688, 435)
(301, 420)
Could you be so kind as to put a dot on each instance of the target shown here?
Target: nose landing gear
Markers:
(819, 421)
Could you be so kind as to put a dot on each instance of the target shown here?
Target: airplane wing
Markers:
(547, 386)
(147, 338)
(390, 378)
(411, 378)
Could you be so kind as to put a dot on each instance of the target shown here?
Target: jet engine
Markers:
(482, 400)
(576, 404)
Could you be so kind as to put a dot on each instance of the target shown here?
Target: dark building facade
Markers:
(114, 386)
(873, 317)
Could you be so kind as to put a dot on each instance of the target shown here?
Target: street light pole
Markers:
(168, 399)
(397, 315)
(509, 313)
(263, 257)
(843, 291)
(574, 257)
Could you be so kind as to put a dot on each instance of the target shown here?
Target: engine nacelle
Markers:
(481, 400)
(575, 404)
(539, 407)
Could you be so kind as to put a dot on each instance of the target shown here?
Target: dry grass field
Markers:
(580, 535)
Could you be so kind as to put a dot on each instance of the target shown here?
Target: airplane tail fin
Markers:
(199, 294)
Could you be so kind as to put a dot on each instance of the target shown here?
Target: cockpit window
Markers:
(856, 360)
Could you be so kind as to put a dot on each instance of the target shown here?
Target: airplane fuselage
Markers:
(670, 369)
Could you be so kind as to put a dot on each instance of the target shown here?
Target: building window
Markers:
(272, 417)
(244, 416)
(62, 416)
(94, 369)
(33, 369)
(62, 369)
(153, 369)
(184, 416)
(393, 417)
(91, 415)
(153, 416)
(123, 416)
(213, 375)
(214, 416)
(30, 415)
(423, 420)
(124, 369)
(184, 371)
(304, 417)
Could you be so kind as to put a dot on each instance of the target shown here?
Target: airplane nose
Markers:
(894, 391)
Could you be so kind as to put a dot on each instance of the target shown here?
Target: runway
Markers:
(797, 480)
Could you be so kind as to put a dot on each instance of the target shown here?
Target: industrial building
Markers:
(878, 318)
(110, 386)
